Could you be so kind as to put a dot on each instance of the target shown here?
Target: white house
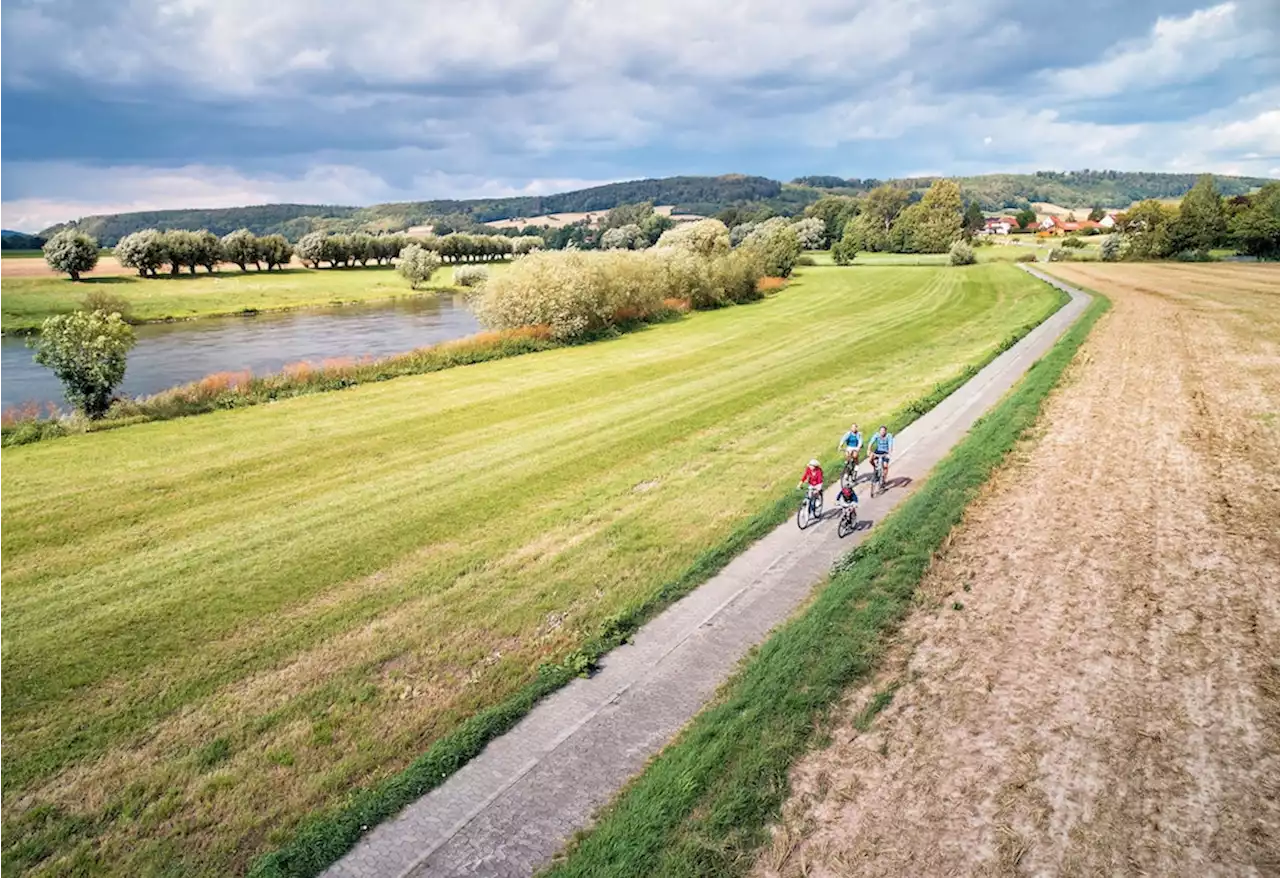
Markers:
(1108, 221)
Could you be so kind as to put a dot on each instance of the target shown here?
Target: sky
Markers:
(151, 104)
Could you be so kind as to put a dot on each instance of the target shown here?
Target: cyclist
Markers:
(847, 501)
(881, 447)
(813, 478)
(851, 445)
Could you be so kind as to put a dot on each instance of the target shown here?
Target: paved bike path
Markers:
(509, 810)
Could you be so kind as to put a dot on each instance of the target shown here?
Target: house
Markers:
(999, 225)
(1107, 222)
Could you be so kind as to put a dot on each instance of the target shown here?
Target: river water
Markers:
(168, 354)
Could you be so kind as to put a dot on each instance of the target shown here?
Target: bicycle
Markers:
(877, 479)
(850, 471)
(848, 521)
(810, 509)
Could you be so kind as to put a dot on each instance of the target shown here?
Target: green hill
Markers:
(1083, 189)
(701, 195)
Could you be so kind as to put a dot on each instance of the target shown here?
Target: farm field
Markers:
(216, 626)
(993, 253)
(28, 301)
(1091, 684)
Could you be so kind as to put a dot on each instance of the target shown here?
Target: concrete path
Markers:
(509, 810)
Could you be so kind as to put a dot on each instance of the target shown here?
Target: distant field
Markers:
(21, 254)
(994, 253)
(28, 301)
(217, 625)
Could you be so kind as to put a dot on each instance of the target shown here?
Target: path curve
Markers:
(509, 810)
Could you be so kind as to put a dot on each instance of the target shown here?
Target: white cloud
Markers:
(1177, 50)
(133, 188)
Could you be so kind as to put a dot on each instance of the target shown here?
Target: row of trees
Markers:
(317, 248)
(149, 250)
(1204, 221)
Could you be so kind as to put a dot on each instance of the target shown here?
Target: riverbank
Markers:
(27, 302)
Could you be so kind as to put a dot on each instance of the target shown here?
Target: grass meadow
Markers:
(28, 301)
(219, 625)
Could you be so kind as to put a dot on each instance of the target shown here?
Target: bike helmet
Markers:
(814, 462)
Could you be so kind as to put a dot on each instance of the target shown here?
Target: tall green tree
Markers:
(1026, 218)
(1097, 213)
(974, 219)
(1255, 229)
(1202, 220)
(937, 221)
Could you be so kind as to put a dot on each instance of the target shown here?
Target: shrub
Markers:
(962, 254)
(108, 303)
(708, 237)
(88, 351)
(577, 294)
(1026, 257)
(416, 264)
(811, 232)
(1073, 242)
(1058, 254)
(470, 275)
(775, 243)
(1109, 249)
(806, 260)
(628, 237)
(72, 252)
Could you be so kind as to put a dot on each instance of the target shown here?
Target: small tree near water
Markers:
(416, 264)
(88, 351)
(72, 252)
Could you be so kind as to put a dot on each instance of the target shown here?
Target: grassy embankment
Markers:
(217, 626)
(28, 301)
(703, 806)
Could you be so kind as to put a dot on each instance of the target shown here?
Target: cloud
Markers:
(150, 102)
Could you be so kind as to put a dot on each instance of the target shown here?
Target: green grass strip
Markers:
(323, 839)
(703, 806)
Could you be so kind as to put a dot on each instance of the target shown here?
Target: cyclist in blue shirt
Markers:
(851, 444)
(881, 448)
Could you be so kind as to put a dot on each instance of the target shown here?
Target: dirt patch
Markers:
(1092, 682)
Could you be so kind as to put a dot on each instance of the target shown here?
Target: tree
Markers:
(208, 251)
(88, 351)
(1109, 249)
(1026, 218)
(1096, 214)
(775, 243)
(835, 211)
(1256, 227)
(275, 250)
(628, 237)
(1202, 222)
(974, 220)
(182, 248)
(938, 220)
(707, 237)
(144, 251)
(241, 248)
(526, 244)
(846, 249)
(812, 233)
(416, 264)
(310, 249)
(72, 252)
(1146, 227)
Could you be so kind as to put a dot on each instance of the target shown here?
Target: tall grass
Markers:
(703, 806)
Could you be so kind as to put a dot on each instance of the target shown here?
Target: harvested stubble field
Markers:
(1091, 682)
(215, 626)
(29, 300)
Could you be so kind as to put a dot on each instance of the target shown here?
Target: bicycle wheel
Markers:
(802, 515)
(817, 507)
(845, 528)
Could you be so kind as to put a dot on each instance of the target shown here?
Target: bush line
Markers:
(703, 806)
(323, 839)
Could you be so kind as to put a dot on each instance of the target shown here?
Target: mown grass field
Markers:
(28, 301)
(992, 253)
(217, 625)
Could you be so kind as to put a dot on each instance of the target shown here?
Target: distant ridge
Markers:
(699, 195)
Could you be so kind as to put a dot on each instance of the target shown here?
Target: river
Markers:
(168, 354)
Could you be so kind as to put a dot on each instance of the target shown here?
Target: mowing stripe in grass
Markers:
(702, 807)
(324, 839)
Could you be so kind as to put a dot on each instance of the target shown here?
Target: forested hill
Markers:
(688, 194)
(700, 195)
(1111, 189)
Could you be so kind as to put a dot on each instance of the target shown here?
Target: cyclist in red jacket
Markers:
(813, 478)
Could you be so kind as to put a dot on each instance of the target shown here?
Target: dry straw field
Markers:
(1091, 682)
